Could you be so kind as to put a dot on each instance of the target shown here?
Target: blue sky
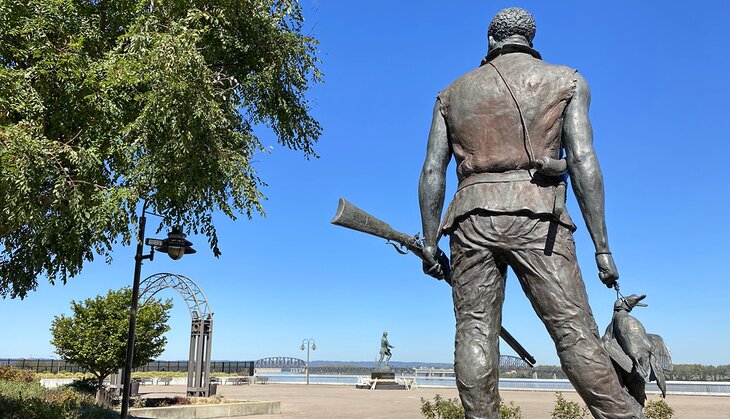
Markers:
(659, 78)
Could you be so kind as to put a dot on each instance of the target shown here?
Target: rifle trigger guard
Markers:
(398, 247)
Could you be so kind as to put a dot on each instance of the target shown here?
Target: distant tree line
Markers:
(697, 372)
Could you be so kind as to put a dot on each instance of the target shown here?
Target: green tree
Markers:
(94, 337)
(106, 103)
(723, 372)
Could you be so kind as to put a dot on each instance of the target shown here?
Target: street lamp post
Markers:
(175, 246)
(314, 348)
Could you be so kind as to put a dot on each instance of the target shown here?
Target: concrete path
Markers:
(346, 402)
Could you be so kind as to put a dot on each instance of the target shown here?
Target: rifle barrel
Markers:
(521, 351)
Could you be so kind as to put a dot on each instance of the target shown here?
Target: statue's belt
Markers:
(520, 176)
(509, 176)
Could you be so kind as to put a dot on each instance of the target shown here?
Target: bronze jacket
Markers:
(486, 135)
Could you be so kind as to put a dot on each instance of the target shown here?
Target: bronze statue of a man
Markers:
(385, 347)
(507, 124)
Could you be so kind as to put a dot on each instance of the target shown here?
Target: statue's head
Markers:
(385, 333)
(510, 24)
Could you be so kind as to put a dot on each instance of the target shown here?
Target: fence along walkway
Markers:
(695, 388)
(711, 388)
(57, 365)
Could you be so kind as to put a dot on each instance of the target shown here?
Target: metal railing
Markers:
(708, 388)
(57, 365)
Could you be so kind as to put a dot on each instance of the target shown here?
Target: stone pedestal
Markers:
(382, 380)
(382, 375)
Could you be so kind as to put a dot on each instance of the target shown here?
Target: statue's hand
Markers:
(549, 166)
(607, 269)
(540, 163)
(432, 266)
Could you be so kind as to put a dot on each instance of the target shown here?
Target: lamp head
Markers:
(175, 244)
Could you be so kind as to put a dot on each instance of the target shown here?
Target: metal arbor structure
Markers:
(201, 330)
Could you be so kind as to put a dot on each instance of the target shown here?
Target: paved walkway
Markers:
(346, 402)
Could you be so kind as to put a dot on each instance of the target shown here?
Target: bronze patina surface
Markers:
(513, 125)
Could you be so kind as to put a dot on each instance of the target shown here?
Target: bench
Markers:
(237, 381)
(410, 383)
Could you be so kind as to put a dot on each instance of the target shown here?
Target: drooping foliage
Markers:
(104, 103)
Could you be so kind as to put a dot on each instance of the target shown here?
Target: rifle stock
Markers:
(354, 218)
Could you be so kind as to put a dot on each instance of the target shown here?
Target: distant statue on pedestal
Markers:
(385, 351)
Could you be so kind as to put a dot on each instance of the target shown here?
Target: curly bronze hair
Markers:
(512, 21)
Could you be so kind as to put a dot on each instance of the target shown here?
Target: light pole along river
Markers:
(314, 348)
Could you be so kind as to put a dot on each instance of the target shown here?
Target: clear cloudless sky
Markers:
(659, 74)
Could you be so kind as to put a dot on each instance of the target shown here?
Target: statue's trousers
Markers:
(542, 255)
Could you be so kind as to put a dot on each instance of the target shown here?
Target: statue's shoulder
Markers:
(563, 69)
(556, 76)
(469, 76)
(465, 81)
(558, 70)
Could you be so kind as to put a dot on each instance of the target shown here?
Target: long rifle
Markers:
(352, 217)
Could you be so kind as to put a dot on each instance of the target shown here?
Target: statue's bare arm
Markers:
(432, 185)
(586, 177)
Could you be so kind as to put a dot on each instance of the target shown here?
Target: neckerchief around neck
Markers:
(507, 49)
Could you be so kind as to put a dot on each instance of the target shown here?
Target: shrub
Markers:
(658, 409)
(452, 409)
(19, 375)
(19, 400)
(161, 401)
(160, 374)
(565, 409)
(138, 402)
(442, 408)
(63, 374)
(511, 411)
(83, 385)
(217, 399)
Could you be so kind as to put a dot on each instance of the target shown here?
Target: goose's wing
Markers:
(657, 374)
(609, 331)
(617, 354)
(632, 338)
(661, 352)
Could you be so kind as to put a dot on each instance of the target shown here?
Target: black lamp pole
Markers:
(176, 247)
(133, 316)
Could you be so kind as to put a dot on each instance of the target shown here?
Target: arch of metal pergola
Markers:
(201, 329)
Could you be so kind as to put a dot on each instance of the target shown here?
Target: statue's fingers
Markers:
(435, 271)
